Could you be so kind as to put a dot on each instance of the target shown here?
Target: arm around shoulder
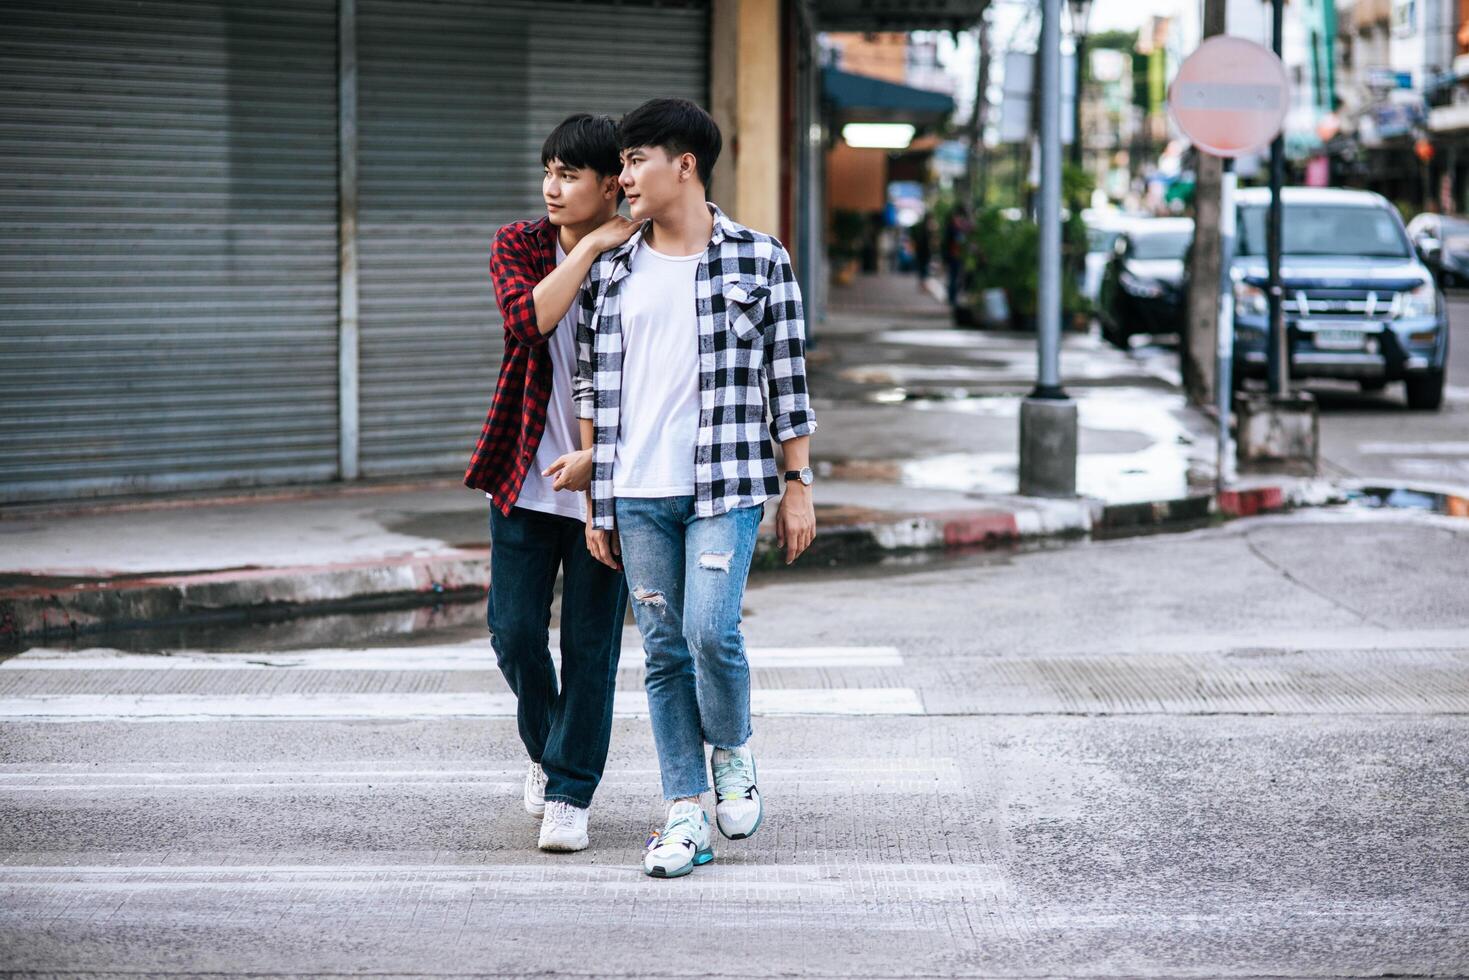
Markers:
(513, 272)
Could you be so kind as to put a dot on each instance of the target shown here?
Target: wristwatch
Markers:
(803, 474)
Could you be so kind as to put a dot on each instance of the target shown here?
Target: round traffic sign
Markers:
(1229, 96)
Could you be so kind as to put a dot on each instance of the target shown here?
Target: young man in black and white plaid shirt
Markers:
(691, 359)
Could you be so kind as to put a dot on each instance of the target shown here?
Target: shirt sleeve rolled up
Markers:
(785, 355)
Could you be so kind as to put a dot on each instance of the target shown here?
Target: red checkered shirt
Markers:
(523, 254)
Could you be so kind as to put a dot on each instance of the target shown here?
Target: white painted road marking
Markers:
(396, 707)
(866, 775)
(456, 657)
(749, 882)
(1414, 449)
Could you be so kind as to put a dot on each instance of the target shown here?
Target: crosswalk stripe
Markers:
(312, 883)
(458, 657)
(867, 775)
(454, 704)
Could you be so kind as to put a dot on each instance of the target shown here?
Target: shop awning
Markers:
(859, 98)
(896, 15)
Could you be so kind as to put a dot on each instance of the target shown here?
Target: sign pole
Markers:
(1229, 98)
(1224, 377)
(1278, 356)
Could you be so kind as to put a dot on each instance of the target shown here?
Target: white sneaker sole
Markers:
(700, 859)
(536, 811)
(736, 833)
(564, 845)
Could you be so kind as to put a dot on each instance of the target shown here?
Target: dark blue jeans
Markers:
(565, 727)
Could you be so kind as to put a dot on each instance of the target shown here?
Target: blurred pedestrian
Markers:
(922, 233)
(956, 235)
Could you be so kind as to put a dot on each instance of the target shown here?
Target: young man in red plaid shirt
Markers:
(529, 464)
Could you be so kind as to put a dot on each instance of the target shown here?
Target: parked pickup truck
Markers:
(1359, 302)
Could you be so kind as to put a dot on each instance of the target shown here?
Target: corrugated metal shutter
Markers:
(168, 244)
(455, 99)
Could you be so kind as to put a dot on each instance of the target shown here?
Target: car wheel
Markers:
(1371, 385)
(1114, 336)
(1425, 391)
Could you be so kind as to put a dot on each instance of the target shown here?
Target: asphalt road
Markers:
(1375, 436)
(1238, 752)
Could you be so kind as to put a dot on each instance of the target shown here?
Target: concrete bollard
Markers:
(1279, 435)
(1048, 447)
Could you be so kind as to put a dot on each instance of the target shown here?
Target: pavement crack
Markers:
(1285, 573)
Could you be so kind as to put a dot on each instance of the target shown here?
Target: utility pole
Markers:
(1202, 303)
(1278, 363)
(976, 170)
(1080, 16)
(1048, 423)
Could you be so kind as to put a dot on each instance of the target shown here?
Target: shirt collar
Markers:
(724, 228)
(546, 233)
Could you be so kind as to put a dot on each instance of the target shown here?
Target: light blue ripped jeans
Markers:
(687, 579)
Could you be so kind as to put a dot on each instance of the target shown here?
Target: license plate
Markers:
(1340, 339)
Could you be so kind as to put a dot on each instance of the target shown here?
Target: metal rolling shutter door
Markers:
(455, 99)
(168, 245)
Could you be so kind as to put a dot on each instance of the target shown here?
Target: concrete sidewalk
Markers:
(916, 450)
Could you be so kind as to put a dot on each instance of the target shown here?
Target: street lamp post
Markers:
(1081, 11)
(1048, 418)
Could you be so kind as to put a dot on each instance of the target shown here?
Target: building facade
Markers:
(246, 243)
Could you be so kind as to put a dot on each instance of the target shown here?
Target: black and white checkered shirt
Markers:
(752, 343)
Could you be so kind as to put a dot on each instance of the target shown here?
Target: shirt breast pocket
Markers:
(744, 307)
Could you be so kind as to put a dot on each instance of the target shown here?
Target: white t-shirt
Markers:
(563, 432)
(660, 377)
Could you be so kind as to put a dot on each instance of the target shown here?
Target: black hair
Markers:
(678, 126)
(586, 142)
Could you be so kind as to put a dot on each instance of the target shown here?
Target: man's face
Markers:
(650, 179)
(574, 195)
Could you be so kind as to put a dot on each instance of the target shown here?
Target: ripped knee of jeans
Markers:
(649, 597)
(716, 561)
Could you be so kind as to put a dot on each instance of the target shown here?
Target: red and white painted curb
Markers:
(83, 606)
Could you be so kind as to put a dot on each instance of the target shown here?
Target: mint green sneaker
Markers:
(682, 845)
(738, 808)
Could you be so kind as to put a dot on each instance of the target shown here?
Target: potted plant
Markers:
(1003, 252)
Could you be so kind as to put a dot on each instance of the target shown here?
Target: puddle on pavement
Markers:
(908, 375)
(1405, 498)
(1012, 358)
(1173, 463)
(970, 402)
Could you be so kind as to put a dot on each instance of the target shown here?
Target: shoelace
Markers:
(660, 837)
(538, 778)
(560, 814)
(734, 768)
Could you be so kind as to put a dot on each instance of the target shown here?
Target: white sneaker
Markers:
(564, 828)
(738, 809)
(535, 790)
(682, 845)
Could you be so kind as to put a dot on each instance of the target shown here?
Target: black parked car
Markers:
(1141, 289)
(1443, 244)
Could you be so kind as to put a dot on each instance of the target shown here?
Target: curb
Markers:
(943, 530)
(66, 608)
(82, 606)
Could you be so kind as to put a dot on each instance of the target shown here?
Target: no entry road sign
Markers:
(1229, 96)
